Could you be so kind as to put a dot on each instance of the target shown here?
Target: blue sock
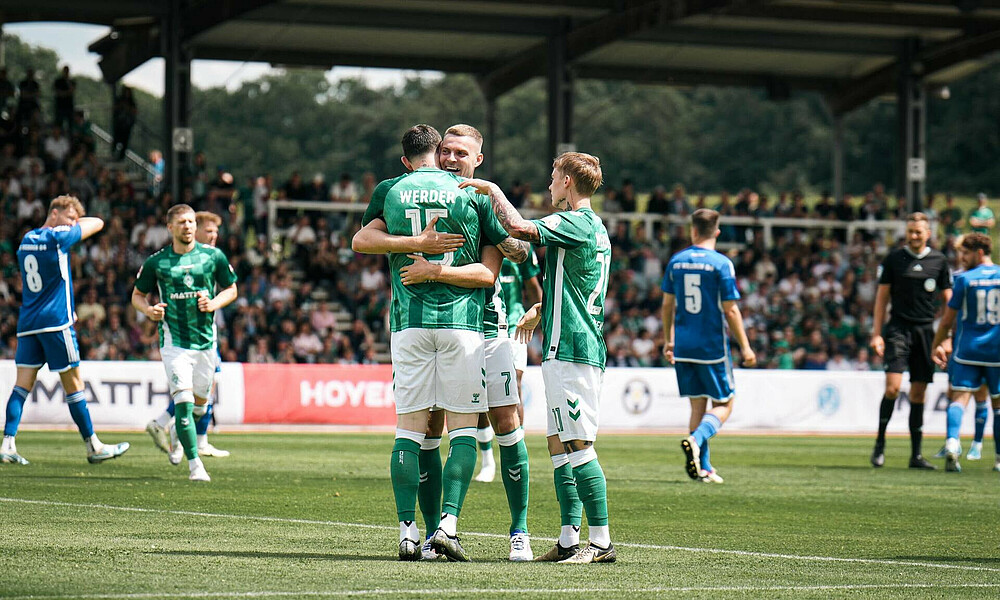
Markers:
(15, 405)
(955, 412)
(81, 415)
(982, 413)
(706, 464)
(170, 408)
(710, 424)
(201, 425)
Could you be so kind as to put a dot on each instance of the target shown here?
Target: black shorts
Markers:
(908, 348)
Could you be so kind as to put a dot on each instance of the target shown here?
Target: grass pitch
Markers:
(312, 516)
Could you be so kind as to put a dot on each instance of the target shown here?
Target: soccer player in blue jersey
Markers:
(697, 339)
(45, 332)
(974, 313)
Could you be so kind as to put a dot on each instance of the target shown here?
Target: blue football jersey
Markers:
(700, 280)
(47, 296)
(976, 297)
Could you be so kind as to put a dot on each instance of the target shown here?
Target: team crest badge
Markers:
(188, 280)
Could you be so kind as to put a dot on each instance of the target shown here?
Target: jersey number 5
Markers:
(692, 293)
(413, 216)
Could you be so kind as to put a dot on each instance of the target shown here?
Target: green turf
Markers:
(810, 497)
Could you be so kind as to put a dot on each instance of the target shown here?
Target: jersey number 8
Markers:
(31, 275)
(413, 216)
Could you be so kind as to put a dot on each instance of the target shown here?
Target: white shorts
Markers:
(573, 399)
(520, 355)
(443, 368)
(190, 369)
(501, 380)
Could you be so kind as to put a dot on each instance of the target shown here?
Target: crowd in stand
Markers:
(305, 296)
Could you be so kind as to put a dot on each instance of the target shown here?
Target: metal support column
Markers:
(838, 157)
(911, 111)
(176, 103)
(560, 96)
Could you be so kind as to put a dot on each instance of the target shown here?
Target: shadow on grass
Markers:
(291, 555)
(993, 560)
(86, 477)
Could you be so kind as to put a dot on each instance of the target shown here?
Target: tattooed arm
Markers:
(515, 250)
(511, 220)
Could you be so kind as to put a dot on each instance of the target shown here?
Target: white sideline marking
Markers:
(494, 591)
(188, 513)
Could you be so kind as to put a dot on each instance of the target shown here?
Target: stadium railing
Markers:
(645, 220)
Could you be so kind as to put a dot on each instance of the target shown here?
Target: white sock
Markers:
(600, 536)
(194, 463)
(164, 419)
(94, 445)
(569, 535)
(408, 531)
(488, 461)
(8, 446)
(449, 524)
(202, 440)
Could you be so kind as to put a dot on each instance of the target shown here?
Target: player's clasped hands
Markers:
(157, 311)
(420, 271)
(431, 241)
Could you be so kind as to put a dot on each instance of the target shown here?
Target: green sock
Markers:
(570, 507)
(514, 467)
(404, 468)
(184, 422)
(429, 493)
(458, 470)
(593, 490)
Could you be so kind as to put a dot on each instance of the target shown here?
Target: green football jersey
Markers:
(495, 313)
(180, 278)
(406, 204)
(512, 278)
(574, 286)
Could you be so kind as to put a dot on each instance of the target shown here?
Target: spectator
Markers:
(951, 217)
(658, 203)
(627, 197)
(306, 344)
(27, 103)
(317, 190)
(344, 190)
(6, 91)
(294, 188)
(64, 89)
(57, 148)
(124, 115)
(981, 218)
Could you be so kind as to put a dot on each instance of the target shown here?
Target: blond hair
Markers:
(203, 216)
(177, 209)
(461, 129)
(62, 203)
(583, 169)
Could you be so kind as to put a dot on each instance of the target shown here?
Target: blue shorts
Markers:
(714, 380)
(969, 378)
(57, 348)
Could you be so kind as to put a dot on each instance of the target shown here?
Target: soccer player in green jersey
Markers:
(572, 315)
(186, 274)
(437, 334)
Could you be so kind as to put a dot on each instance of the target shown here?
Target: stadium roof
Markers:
(848, 49)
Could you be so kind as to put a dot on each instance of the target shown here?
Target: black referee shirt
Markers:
(914, 281)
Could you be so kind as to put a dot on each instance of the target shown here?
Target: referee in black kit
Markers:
(913, 277)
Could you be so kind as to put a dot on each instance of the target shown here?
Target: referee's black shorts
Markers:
(908, 348)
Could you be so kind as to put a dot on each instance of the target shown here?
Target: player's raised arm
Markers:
(476, 275)
(735, 320)
(511, 220)
(89, 226)
(374, 238)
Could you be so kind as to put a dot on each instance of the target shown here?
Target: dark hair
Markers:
(705, 222)
(420, 140)
(977, 241)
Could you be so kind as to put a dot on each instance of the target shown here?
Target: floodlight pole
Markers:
(176, 101)
(560, 94)
(911, 114)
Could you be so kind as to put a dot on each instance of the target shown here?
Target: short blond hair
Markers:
(177, 209)
(918, 217)
(583, 169)
(64, 202)
(203, 216)
(465, 130)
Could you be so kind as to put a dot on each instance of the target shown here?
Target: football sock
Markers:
(429, 491)
(408, 531)
(514, 464)
(955, 413)
(570, 507)
(201, 425)
(8, 446)
(592, 487)
(884, 414)
(457, 472)
(166, 416)
(170, 408)
(710, 425)
(194, 463)
(706, 464)
(15, 406)
(404, 469)
(982, 413)
(449, 524)
(484, 437)
(81, 415)
(569, 535)
(184, 425)
(916, 428)
(996, 431)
